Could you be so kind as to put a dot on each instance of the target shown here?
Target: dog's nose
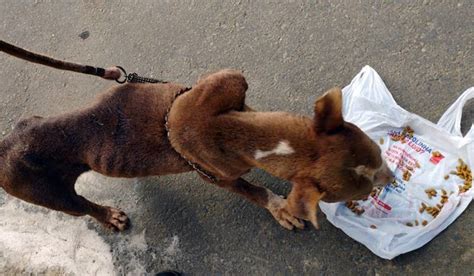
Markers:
(391, 178)
(389, 173)
(384, 176)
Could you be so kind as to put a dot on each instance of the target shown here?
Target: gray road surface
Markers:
(291, 52)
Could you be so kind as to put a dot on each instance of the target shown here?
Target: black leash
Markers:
(52, 62)
(111, 73)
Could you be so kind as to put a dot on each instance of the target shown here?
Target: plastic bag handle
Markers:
(451, 119)
(367, 84)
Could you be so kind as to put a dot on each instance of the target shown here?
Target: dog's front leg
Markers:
(265, 198)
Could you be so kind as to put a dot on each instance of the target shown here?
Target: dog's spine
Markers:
(48, 61)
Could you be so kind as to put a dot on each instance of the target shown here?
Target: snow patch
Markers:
(138, 241)
(172, 253)
(35, 240)
(49, 242)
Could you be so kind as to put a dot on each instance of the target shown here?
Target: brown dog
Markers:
(137, 130)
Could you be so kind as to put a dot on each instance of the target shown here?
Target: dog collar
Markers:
(195, 166)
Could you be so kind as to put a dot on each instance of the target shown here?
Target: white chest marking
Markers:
(283, 148)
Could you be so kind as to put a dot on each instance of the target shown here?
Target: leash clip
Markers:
(135, 78)
(124, 75)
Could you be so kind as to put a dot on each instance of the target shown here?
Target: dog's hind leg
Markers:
(60, 195)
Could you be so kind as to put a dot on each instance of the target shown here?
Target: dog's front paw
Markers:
(116, 220)
(278, 207)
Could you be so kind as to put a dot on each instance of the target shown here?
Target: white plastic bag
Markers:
(392, 222)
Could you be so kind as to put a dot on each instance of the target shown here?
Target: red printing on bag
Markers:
(436, 157)
(382, 204)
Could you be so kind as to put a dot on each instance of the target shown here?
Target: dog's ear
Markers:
(328, 111)
(303, 200)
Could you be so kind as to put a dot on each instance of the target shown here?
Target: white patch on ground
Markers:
(172, 253)
(129, 249)
(138, 241)
(47, 242)
(283, 148)
(35, 240)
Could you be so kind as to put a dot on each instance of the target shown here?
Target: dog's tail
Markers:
(111, 73)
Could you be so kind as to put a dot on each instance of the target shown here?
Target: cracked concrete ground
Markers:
(291, 52)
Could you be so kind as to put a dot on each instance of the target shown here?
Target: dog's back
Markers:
(128, 131)
(123, 130)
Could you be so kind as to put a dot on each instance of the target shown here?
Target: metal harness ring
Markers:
(124, 75)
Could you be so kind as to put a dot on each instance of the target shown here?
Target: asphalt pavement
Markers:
(290, 52)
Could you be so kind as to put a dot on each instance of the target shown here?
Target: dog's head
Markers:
(348, 164)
